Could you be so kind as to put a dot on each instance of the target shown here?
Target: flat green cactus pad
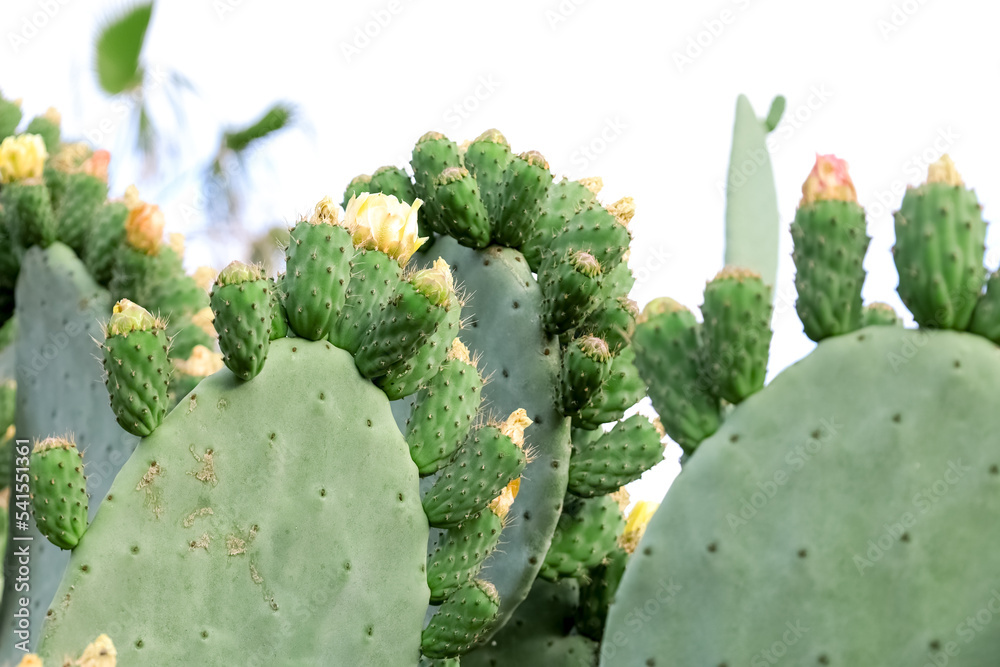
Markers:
(844, 515)
(258, 524)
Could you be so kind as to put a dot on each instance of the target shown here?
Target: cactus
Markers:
(498, 216)
(59, 491)
(836, 476)
(183, 491)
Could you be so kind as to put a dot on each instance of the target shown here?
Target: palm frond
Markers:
(118, 47)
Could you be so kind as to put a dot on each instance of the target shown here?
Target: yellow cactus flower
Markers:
(22, 157)
(176, 242)
(436, 283)
(943, 171)
(144, 225)
(459, 351)
(828, 180)
(326, 212)
(623, 210)
(128, 317)
(635, 524)
(382, 222)
(202, 362)
(514, 427)
(501, 504)
(30, 660)
(99, 653)
(204, 276)
(593, 183)
(203, 319)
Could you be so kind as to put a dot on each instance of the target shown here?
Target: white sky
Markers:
(600, 87)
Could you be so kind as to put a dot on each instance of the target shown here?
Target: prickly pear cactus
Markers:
(311, 433)
(863, 474)
(544, 265)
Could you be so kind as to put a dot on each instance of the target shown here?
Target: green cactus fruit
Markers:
(460, 210)
(613, 320)
(241, 303)
(595, 230)
(407, 376)
(836, 476)
(358, 185)
(597, 593)
(47, 127)
(26, 210)
(138, 372)
(373, 279)
(443, 411)
(986, 317)
(623, 389)
(541, 632)
(615, 458)
(880, 314)
(526, 189)
(940, 241)
(587, 532)
(460, 551)
(84, 195)
(279, 317)
(487, 159)
(106, 233)
(10, 117)
(413, 314)
(318, 268)
(565, 199)
(459, 622)
(667, 345)
(586, 367)
(58, 491)
(469, 482)
(330, 480)
(570, 283)
(736, 333)
(392, 181)
(830, 245)
(432, 154)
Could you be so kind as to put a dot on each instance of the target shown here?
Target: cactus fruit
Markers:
(47, 127)
(614, 458)
(59, 491)
(457, 194)
(878, 313)
(940, 242)
(242, 303)
(461, 619)
(986, 316)
(138, 373)
(588, 531)
(10, 116)
(586, 367)
(668, 351)
(830, 246)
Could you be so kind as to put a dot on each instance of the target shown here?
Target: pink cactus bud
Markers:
(828, 180)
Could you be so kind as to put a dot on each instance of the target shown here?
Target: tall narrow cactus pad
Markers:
(752, 223)
(59, 391)
(273, 513)
(523, 371)
(843, 477)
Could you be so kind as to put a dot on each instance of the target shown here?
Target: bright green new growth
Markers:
(314, 299)
(242, 303)
(59, 491)
(940, 240)
(138, 372)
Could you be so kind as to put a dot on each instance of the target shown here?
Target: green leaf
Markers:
(118, 47)
(277, 118)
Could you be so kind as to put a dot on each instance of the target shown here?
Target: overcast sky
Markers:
(640, 93)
